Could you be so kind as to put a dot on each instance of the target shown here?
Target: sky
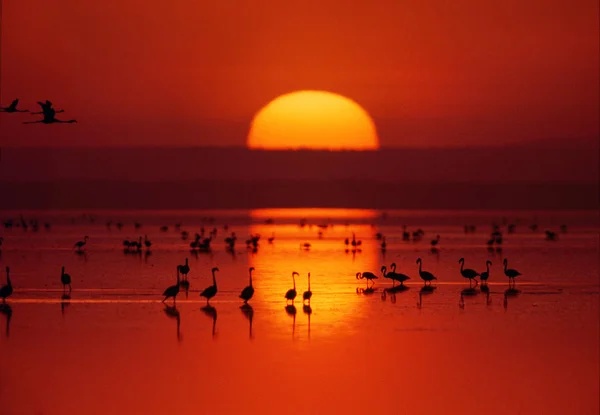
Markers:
(187, 72)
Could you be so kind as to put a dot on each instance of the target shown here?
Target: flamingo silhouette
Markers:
(307, 294)
(80, 244)
(172, 291)
(12, 107)
(184, 269)
(248, 292)
(369, 276)
(291, 293)
(469, 273)
(425, 276)
(211, 291)
(485, 274)
(49, 115)
(435, 241)
(65, 279)
(510, 273)
(7, 289)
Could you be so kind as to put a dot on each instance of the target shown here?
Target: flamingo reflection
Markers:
(172, 312)
(248, 312)
(484, 288)
(467, 292)
(6, 310)
(510, 292)
(6, 290)
(211, 312)
(65, 301)
(291, 311)
(308, 311)
(425, 290)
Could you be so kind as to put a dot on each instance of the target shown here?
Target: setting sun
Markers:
(313, 120)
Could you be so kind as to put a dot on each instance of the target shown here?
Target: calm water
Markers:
(113, 347)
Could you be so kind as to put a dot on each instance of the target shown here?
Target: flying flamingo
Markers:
(426, 276)
(81, 244)
(65, 279)
(469, 273)
(49, 115)
(172, 291)
(7, 289)
(12, 107)
(369, 276)
(248, 292)
(211, 291)
(307, 294)
(291, 293)
(485, 274)
(510, 273)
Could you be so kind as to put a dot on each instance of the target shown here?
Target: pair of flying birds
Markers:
(47, 110)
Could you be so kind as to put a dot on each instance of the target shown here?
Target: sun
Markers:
(317, 120)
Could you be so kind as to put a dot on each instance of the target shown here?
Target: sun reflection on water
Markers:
(332, 266)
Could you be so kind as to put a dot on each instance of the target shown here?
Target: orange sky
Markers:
(188, 72)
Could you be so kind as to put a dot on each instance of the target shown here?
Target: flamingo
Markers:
(435, 241)
(510, 273)
(369, 276)
(272, 238)
(184, 269)
(398, 276)
(12, 107)
(49, 115)
(248, 292)
(405, 234)
(307, 294)
(81, 244)
(211, 291)
(469, 273)
(65, 279)
(485, 274)
(291, 293)
(7, 289)
(172, 291)
(147, 242)
(383, 243)
(426, 276)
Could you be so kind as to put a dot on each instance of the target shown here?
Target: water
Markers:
(114, 347)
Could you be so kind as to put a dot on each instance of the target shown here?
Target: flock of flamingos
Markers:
(247, 293)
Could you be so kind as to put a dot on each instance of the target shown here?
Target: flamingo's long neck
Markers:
(250, 278)
(214, 279)
(384, 271)
(487, 266)
(308, 282)
(420, 268)
(505, 266)
(177, 276)
(294, 279)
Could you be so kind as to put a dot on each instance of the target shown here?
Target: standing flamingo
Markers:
(248, 292)
(510, 273)
(369, 276)
(469, 273)
(426, 276)
(485, 274)
(81, 244)
(65, 279)
(307, 294)
(172, 291)
(397, 275)
(211, 291)
(291, 293)
(7, 289)
(147, 242)
(184, 269)
(435, 241)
